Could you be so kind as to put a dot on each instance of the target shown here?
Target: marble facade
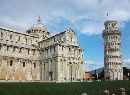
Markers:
(38, 56)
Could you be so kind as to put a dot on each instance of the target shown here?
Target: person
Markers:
(83, 79)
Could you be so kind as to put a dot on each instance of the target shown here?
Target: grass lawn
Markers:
(39, 88)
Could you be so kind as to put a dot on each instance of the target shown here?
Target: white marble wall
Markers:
(20, 49)
(68, 56)
(27, 57)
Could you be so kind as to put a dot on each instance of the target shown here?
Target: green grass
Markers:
(39, 88)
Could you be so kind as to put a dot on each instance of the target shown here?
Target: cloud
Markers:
(86, 16)
(126, 63)
(17, 24)
(91, 28)
(91, 65)
(120, 15)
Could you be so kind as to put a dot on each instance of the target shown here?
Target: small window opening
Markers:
(62, 48)
(10, 36)
(28, 51)
(69, 49)
(11, 62)
(20, 50)
(26, 40)
(19, 38)
(34, 65)
(23, 64)
(54, 49)
(44, 66)
(7, 48)
(71, 39)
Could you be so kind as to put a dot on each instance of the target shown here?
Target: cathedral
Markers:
(38, 56)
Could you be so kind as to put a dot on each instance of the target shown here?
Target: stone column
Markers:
(64, 77)
(57, 70)
(44, 73)
(68, 71)
(14, 70)
(38, 70)
(7, 70)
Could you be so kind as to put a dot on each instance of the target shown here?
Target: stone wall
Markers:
(18, 54)
(19, 69)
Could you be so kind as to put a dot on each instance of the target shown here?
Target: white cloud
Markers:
(91, 65)
(126, 63)
(87, 16)
(17, 25)
(92, 28)
(120, 15)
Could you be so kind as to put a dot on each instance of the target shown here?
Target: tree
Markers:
(102, 74)
(126, 71)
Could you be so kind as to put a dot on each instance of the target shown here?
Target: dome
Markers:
(39, 30)
(38, 26)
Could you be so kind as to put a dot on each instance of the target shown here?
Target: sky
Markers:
(85, 17)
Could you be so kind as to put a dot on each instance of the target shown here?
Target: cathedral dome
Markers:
(39, 30)
(38, 26)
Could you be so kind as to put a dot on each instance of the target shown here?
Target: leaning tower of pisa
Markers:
(112, 51)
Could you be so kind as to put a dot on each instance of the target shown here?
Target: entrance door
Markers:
(50, 75)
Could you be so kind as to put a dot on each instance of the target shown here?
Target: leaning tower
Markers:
(112, 51)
